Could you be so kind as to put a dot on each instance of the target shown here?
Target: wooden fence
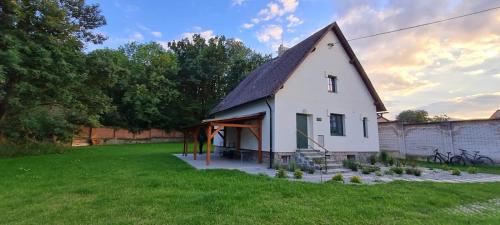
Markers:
(107, 135)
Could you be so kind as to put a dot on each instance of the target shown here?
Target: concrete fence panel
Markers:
(421, 139)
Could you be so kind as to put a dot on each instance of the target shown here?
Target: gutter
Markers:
(271, 156)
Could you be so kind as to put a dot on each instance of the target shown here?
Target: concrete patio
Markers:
(252, 167)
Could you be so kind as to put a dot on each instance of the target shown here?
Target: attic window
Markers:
(332, 84)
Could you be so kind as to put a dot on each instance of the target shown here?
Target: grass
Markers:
(480, 169)
(145, 184)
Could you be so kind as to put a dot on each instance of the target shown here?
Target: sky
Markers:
(450, 68)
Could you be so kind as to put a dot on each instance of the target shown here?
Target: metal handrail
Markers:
(310, 138)
(325, 150)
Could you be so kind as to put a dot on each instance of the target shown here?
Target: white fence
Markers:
(422, 139)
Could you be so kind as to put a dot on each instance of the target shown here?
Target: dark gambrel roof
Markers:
(269, 78)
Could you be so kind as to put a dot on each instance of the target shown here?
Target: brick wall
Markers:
(421, 139)
(106, 135)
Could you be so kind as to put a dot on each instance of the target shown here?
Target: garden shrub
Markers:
(445, 167)
(373, 159)
(350, 164)
(417, 172)
(319, 161)
(378, 173)
(413, 171)
(338, 178)
(281, 173)
(397, 169)
(389, 172)
(367, 169)
(292, 166)
(308, 169)
(455, 171)
(384, 156)
(355, 179)
(298, 174)
(277, 165)
(390, 161)
(472, 170)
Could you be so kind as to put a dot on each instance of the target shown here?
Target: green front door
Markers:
(302, 127)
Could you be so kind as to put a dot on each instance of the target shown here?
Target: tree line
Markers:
(49, 85)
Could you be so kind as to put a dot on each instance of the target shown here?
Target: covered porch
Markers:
(213, 127)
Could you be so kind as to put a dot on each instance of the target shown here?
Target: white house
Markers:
(315, 95)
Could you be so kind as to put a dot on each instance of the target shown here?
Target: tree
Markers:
(209, 70)
(413, 116)
(144, 89)
(440, 118)
(44, 86)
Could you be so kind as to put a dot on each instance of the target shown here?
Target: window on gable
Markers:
(365, 127)
(332, 84)
(337, 125)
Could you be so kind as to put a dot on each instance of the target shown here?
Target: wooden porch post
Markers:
(259, 139)
(209, 143)
(238, 138)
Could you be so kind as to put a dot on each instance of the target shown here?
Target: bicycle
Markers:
(437, 157)
(466, 158)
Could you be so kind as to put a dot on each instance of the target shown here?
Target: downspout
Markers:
(271, 156)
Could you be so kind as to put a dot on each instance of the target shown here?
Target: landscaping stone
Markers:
(434, 175)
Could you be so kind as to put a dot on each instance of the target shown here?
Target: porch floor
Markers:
(217, 162)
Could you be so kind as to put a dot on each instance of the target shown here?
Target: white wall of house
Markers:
(248, 140)
(306, 91)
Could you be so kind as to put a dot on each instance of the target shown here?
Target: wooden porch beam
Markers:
(236, 125)
(216, 131)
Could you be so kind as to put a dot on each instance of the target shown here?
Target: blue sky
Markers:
(171, 20)
(449, 68)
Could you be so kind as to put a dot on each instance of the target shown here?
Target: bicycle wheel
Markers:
(434, 159)
(484, 160)
(457, 160)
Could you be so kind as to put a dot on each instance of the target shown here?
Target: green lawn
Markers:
(145, 184)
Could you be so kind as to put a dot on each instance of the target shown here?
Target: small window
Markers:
(365, 127)
(332, 84)
(337, 124)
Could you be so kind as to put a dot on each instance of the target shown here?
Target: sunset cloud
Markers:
(408, 67)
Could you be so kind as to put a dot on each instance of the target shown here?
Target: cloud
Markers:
(276, 9)
(156, 33)
(474, 106)
(248, 25)
(163, 44)
(476, 72)
(238, 2)
(421, 66)
(206, 34)
(270, 32)
(136, 36)
(293, 21)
